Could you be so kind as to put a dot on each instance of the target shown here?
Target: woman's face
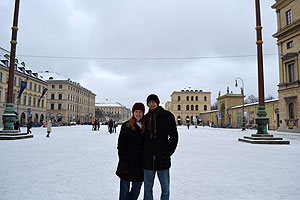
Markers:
(138, 114)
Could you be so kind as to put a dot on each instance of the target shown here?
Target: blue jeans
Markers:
(133, 194)
(164, 179)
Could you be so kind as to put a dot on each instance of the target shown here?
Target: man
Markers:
(161, 138)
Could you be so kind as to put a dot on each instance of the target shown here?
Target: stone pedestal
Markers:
(263, 139)
(261, 120)
(13, 135)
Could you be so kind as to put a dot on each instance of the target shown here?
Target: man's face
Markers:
(152, 105)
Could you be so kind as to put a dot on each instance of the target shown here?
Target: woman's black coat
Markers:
(130, 144)
(163, 145)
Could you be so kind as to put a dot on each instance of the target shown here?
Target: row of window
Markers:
(60, 86)
(196, 107)
(70, 98)
(71, 107)
(34, 102)
(192, 98)
(30, 86)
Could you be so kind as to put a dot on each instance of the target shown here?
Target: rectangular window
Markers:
(34, 101)
(6, 78)
(53, 86)
(60, 96)
(59, 106)
(60, 86)
(20, 82)
(15, 81)
(289, 44)
(288, 15)
(29, 101)
(30, 85)
(24, 100)
(43, 103)
(52, 106)
(39, 88)
(291, 71)
(52, 96)
(34, 88)
(0, 77)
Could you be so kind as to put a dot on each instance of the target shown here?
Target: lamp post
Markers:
(261, 119)
(242, 91)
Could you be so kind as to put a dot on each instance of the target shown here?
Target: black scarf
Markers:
(152, 121)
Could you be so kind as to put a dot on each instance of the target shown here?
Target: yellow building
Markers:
(230, 112)
(67, 100)
(187, 104)
(288, 41)
(29, 106)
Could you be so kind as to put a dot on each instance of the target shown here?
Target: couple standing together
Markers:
(145, 145)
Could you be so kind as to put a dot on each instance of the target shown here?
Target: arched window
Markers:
(192, 98)
(196, 98)
(187, 107)
(291, 111)
(192, 107)
(187, 98)
(205, 99)
(205, 107)
(196, 107)
(178, 107)
(178, 98)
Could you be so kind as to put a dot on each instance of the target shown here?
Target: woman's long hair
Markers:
(132, 121)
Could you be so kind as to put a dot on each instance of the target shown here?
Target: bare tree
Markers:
(270, 97)
(214, 106)
(251, 99)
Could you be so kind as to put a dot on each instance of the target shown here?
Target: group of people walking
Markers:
(145, 146)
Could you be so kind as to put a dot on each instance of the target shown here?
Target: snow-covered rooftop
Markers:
(250, 104)
(108, 105)
(20, 65)
(47, 75)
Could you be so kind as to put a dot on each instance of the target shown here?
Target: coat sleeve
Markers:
(173, 135)
(122, 146)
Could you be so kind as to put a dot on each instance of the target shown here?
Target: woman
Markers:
(130, 145)
(49, 127)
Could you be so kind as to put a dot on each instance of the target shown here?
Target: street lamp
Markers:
(242, 91)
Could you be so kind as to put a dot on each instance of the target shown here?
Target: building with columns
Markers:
(67, 100)
(288, 41)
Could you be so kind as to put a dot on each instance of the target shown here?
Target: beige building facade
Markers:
(288, 41)
(115, 111)
(68, 101)
(187, 104)
(30, 105)
(231, 111)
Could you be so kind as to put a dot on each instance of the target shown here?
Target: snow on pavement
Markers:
(210, 164)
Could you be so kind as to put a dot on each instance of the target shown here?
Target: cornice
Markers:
(281, 3)
(290, 29)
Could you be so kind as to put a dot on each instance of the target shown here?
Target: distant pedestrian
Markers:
(98, 125)
(130, 145)
(49, 128)
(115, 126)
(17, 125)
(110, 126)
(29, 125)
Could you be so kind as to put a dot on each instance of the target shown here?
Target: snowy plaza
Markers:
(209, 164)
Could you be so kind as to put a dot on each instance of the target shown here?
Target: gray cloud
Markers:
(139, 28)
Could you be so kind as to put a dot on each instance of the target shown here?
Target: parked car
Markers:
(72, 123)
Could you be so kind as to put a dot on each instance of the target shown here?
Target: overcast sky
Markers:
(95, 29)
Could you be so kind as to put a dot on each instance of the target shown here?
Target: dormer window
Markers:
(6, 56)
(23, 63)
(28, 72)
(5, 62)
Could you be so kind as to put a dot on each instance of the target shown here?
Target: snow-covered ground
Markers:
(77, 163)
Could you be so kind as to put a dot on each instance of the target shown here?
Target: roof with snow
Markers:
(20, 65)
(47, 75)
(250, 104)
(109, 105)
